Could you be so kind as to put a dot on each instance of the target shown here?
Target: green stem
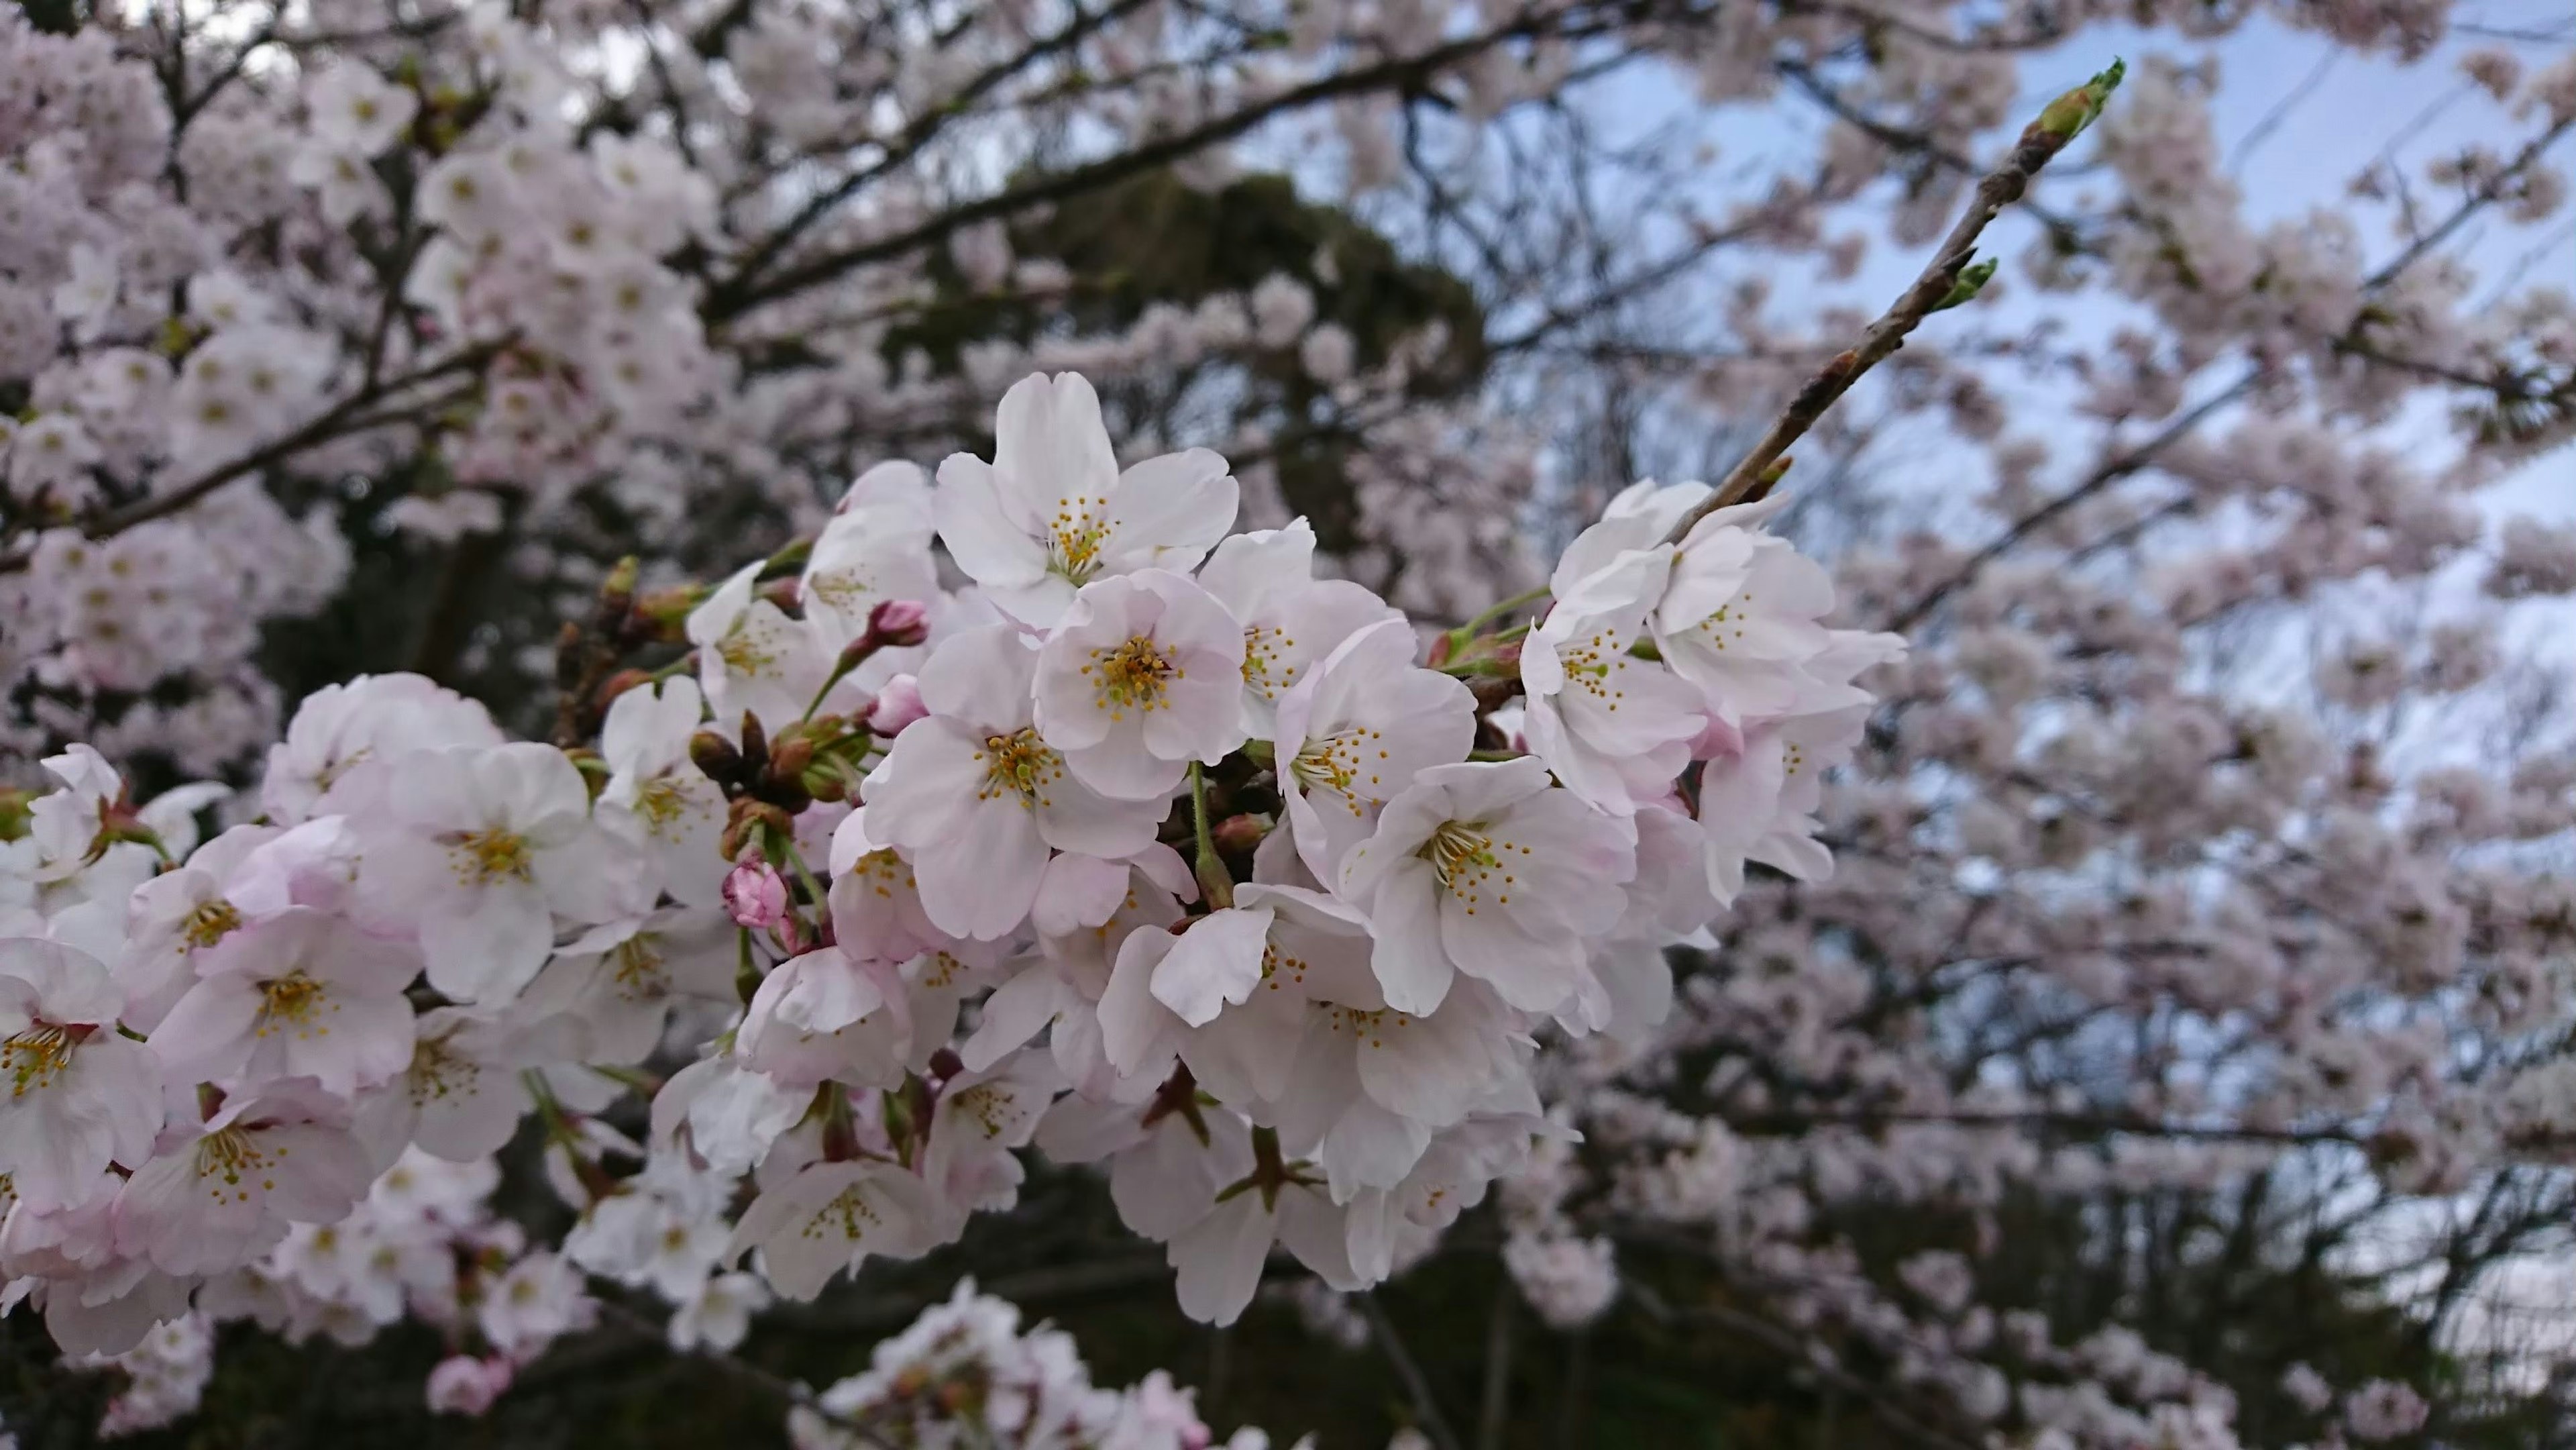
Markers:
(805, 874)
(1469, 630)
(840, 669)
(1214, 880)
(746, 971)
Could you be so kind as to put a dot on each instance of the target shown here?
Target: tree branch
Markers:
(347, 416)
(1946, 282)
(1425, 1407)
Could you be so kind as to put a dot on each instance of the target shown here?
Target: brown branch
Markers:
(770, 1381)
(347, 416)
(919, 134)
(2135, 459)
(1426, 1408)
(1762, 1331)
(739, 294)
(1945, 282)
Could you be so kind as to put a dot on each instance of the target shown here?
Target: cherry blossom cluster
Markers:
(2202, 844)
(1146, 845)
(966, 1372)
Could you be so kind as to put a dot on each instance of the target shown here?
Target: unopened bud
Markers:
(617, 593)
(789, 759)
(824, 783)
(899, 623)
(755, 744)
(897, 706)
(1239, 835)
(715, 755)
(755, 895)
(621, 682)
(664, 613)
(2068, 115)
(945, 1064)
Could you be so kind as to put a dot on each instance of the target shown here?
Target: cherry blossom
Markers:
(1052, 511)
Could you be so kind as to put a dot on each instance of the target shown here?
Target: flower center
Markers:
(1367, 1028)
(1593, 665)
(1345, 764)
(1075, 537)
(1467, 860)
(1280, 968)
(660, 801)
(1725, 623)
(1019, 764)
(1130, 677)
(484, 857)
(851, 1214)
(209, 923)
(438, 1071)
(35, 1057)
(289, 1000)
(985, 1106)
(1263, 667)
(636, 965)
(232, 1157)
(745, 655)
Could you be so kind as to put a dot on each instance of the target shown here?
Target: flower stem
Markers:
(1471, 628)
(1214, 880)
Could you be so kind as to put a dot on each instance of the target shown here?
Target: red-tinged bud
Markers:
(755, 895)
(945, 1064)
(1239, 835)
(899, 623)
(621, 682)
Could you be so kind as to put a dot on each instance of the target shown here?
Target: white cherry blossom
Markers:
(1052, 512)
(1356, 731)
(1490, 870)
(80, 1096)
(655, 795)
(1143, 675)
(302, 994)
(1291, 619)
(975, 799)
(483, 848)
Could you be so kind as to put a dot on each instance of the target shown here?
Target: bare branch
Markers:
(1947, 281)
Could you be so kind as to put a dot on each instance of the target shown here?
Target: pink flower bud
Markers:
(899, 623)
(464, 1385)
(755, 895)
(896, 706)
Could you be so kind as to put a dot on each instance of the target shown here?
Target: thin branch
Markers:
(1945, 282)
(740, 294)
(2281, 112)
(1493, 1416)
(347, 416)
(1425, 1408)
(1762, 1331)
(2137, 458)
(770, 1381)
